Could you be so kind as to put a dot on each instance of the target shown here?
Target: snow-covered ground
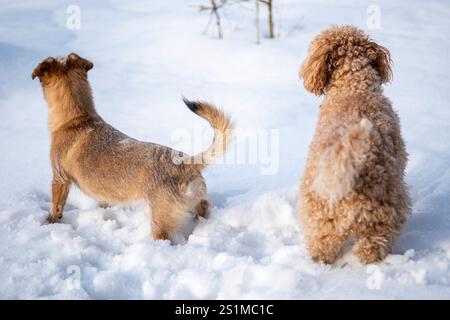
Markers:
(148, 54)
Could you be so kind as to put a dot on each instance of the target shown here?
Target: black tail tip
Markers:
(192, 105)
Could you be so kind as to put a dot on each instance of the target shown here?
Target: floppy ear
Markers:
(43, 67)
(381, 61)
(80, 62)
(316, 69)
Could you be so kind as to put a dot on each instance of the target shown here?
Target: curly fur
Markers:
(353, 184)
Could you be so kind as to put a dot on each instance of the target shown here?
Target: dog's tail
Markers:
(222, 132)
(340, 165)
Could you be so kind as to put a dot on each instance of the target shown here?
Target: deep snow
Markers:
(149, 53)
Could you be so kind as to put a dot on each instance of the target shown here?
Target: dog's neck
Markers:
(360, 81)
(68, 99)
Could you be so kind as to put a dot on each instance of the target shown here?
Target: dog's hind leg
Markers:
(325, 248)
(197, 198)
(372, 249)
(323, 241)
(60, 191)
(167, 216)
(202, 209)
(375, 240)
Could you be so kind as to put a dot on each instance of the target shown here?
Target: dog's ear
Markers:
(78, 61)
(43, 68)
(381, 61)
(316, 69)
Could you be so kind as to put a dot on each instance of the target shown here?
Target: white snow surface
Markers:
(147, 54)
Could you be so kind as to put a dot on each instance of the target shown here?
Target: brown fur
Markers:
(353, 184)
(112, 167)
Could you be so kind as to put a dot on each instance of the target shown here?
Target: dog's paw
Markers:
(324, 253)
(53, 219)
(323, 259)
(371, 250)
(104, 205)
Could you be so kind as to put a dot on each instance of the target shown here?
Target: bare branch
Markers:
(257, 22)
(215, 9)
(215, 5)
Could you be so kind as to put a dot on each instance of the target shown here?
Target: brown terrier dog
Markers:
(114, 168)
(353, 184)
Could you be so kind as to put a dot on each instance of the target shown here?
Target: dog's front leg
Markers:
(60, 191)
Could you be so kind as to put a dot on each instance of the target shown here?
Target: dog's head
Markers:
(53, 68)
(344, 48)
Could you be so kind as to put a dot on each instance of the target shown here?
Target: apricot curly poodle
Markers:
(353, 185)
